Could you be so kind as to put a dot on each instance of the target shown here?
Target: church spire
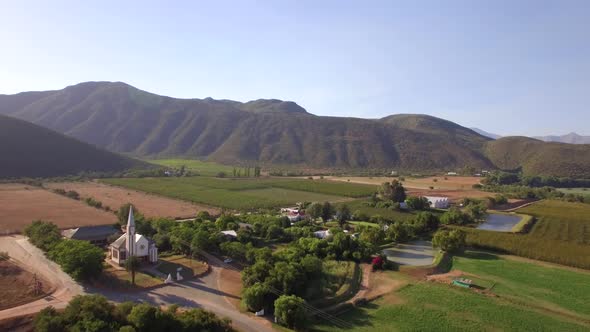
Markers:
(130, 245)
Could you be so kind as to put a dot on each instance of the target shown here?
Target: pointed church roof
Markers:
(131, 219)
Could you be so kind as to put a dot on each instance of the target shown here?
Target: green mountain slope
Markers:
(540, 158)
(28, 150)
(123, 119)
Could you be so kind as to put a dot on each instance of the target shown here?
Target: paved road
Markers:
(35, 261)
(416, 253)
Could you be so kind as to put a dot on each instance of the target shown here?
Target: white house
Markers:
(132, 244)
(322, 234)
(438, 202)
(230, 234)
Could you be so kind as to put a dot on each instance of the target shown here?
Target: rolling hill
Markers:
(540, 158)
(28, 150)
(123, 119)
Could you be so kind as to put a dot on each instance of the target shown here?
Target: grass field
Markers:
(245, 193)
(205, 168)
(556, 289)
(578, 191)
(560, 235)
(529, 298)
(357, 205)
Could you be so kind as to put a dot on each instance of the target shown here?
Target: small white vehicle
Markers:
(228, 260)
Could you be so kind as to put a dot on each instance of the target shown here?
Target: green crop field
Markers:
(357, 205)
(529, 298)
(559, 289)
(577, 191)
(560, 235)
(243, 193)
(205, 168)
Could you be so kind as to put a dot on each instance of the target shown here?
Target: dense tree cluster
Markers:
(95, 313)
(452, 241)
(80, 259)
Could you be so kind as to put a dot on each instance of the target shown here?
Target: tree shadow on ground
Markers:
(357, 317)
(479, 255)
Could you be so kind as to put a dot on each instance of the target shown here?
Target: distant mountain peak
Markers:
(571, 138)
(485, 133)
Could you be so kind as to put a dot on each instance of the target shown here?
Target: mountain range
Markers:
(571, 138)
(28, 150)
(123, 119)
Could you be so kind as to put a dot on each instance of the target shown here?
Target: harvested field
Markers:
(150, 205)
(17, 286)
(21, 204)
(454, 187)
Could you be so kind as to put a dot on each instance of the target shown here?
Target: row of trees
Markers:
(80, 259)
(96, 313)
(509, 178)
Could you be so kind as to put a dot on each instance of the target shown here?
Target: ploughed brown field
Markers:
(17, 286)
(148, 204)
(21, 204)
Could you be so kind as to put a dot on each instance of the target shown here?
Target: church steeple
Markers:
(130, 245)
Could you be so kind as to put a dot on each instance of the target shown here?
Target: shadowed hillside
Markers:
(123, 119)
(540, 158)
(27, 150)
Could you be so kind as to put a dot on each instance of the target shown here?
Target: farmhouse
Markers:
(97, 235)
(230, 234)
(438, 202)
(132, 244)
(322, 234)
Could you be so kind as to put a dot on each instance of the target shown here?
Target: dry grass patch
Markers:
(150, 205)
(113, 278)
(190, 267)
(17, 286)
(21, 204)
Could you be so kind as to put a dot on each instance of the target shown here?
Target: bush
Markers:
(43, 234)
(80, 259)
(450, 241)
(290, 312)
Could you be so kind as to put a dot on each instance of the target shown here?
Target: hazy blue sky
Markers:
(509, 67)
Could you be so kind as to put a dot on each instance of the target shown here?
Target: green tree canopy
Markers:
(290, 312)
(393, 191)
(80, 259)
(450, 241)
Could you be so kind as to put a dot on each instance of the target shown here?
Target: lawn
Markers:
(531, 284)
(206, 168)
(245, 193)
(560, 235)
(190, 267)
(121, 279)
(529, 298)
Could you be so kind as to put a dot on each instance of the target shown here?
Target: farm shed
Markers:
(438, 202)
(97, 235)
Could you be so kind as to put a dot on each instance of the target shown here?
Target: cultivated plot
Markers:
(148, 204)
(248, 193)
(21, 204)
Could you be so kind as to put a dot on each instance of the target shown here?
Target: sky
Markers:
(508, 67)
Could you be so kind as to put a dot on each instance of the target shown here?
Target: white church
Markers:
(139, 245)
